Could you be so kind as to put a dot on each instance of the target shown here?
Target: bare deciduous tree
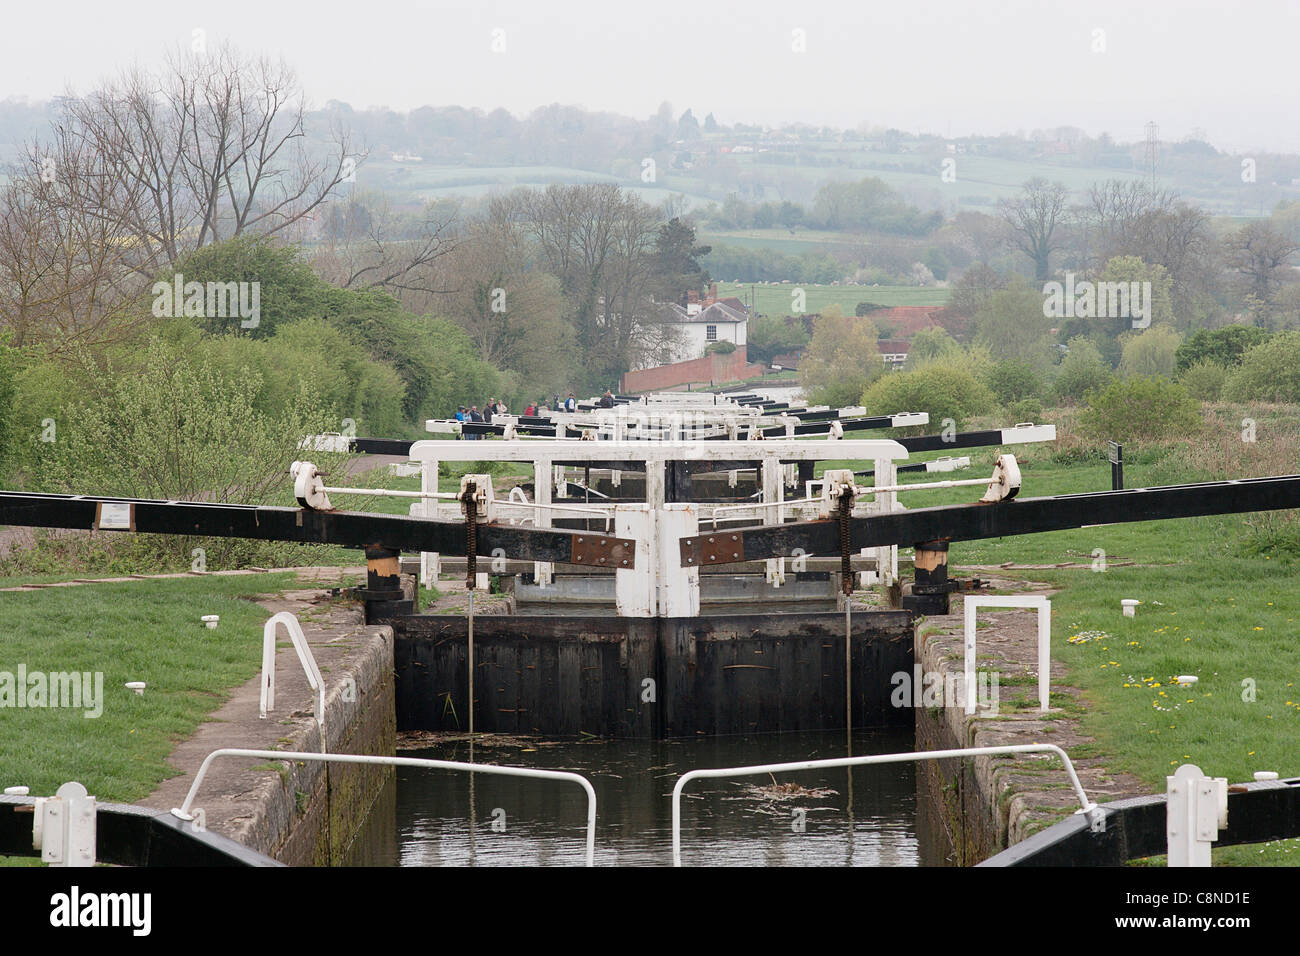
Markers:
(212, 147)
(1262, 257)
(599, 242)
(68, 260)
(369, 245)
(1131, 219)
(146, 169)
(1032, 222)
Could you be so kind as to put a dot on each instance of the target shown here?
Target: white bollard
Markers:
(1196, 809)
(1130, 607)
(65, 827)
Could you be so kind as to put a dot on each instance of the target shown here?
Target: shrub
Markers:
(931, 343)
(1025, 410)
(1204, 380)
(44, 388)
(1140, 408)
(1223, 346)
(1012, 380)
(1269, 372)
(169, 427)
(944, 389)
(349, 382)
(1082, 370)
(1150, 352)
(841, 359)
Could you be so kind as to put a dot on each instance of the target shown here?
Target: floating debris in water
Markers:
(769, 797)
(423, 739)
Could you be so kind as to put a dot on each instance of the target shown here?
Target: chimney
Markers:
(713, 292)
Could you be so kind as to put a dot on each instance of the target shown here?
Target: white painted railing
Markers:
(184, 810)
(305, 657)
(1095, 815)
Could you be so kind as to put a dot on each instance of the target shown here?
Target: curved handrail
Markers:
(1094, 814)
(183, 811)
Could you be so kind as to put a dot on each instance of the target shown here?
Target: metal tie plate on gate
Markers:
(721, 547)
(603, 551)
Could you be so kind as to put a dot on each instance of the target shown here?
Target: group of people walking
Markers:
(494, 408)
(472, 414)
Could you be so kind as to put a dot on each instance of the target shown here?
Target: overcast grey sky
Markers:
(943, 66)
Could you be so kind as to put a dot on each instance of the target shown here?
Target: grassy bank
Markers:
(143, 631)
(1219, 597)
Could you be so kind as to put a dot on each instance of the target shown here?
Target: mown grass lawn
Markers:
(143, 631)
(776, 299)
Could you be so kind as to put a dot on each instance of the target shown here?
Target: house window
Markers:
(710, 333)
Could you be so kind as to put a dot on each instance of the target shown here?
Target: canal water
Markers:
(866, 816)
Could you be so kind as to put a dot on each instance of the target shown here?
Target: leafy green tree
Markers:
(944, 388)
(937, 262)
(1130, 269)
(768, 336)
(929, 344)
(1149, 352)
(1269, 372)
(288, 289)
(1012, 380)
(1011, 324)
(1223, 346)
(841, 359)
(675, 261)
(1081, 370)
(869, 205)
(1141, 408)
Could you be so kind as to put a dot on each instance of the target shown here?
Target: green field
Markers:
(980, 180)
(424, 181)
(776, 299)
(144, 630)
(794, 243)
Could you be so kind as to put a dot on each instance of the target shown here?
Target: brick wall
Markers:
(715, 368)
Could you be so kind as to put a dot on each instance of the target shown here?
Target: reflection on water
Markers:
(866, 817)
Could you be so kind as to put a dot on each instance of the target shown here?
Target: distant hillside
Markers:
(457, 152)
